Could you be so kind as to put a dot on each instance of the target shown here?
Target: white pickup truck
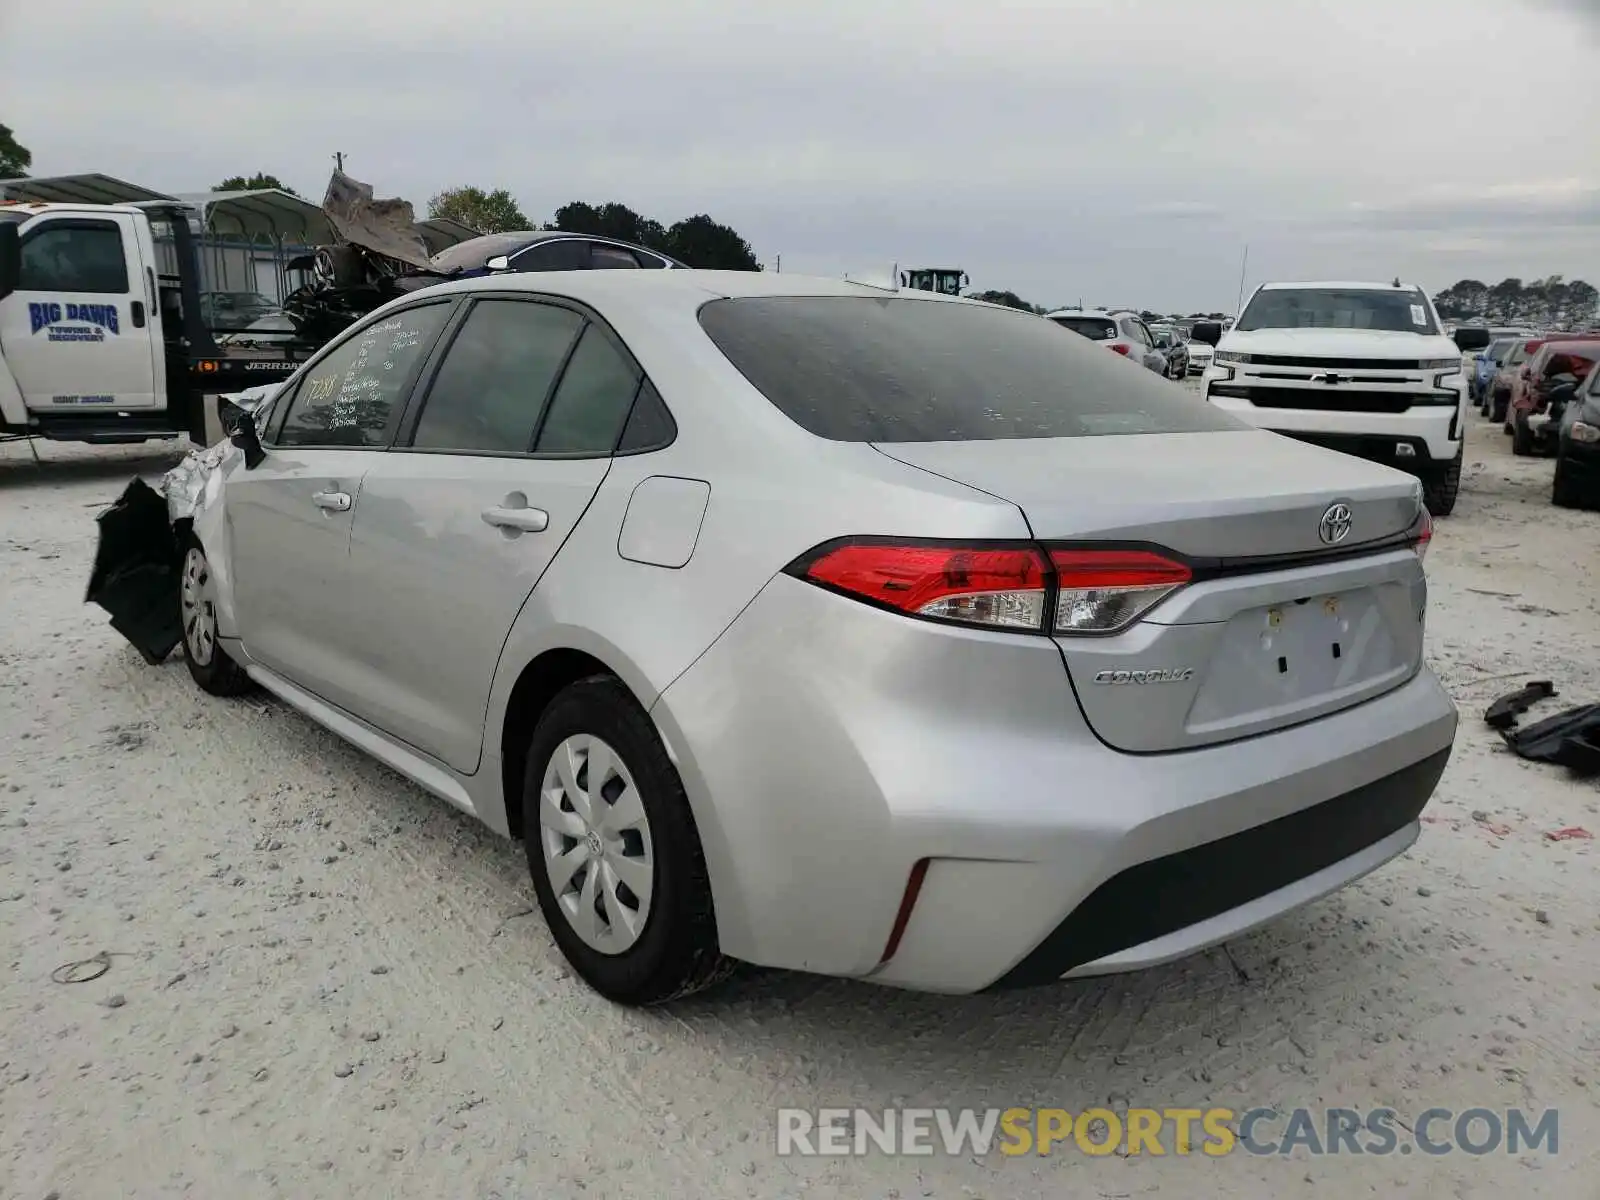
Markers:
(96, 343)
(1364, 368)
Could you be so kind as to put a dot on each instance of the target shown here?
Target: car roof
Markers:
(1087, 312)
(480, 249)
(688, 287)
(1341, 284)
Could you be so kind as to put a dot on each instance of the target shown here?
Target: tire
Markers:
(672, 951)
(1563, 494)
(209, 664)
(1521, 440)
(1441, 485)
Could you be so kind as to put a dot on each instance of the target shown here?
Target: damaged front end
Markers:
(145, 531)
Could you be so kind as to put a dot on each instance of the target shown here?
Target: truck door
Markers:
(77, 333)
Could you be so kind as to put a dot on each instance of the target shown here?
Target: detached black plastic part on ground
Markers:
(135, 576)
(1569, 739)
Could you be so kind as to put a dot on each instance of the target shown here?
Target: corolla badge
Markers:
(1335, 524)
(1172, 675)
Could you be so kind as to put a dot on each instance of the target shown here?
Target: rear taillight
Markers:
(1013, 587)
(1121, 348)
(1424, 533)
(1102, 591)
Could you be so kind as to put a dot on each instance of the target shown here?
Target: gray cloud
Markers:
(1119, 149)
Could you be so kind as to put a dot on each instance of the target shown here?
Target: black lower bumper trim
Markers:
(1167, 894)
(1372, 447)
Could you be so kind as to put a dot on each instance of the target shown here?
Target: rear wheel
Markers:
(1441, 484)
(613, 850)
(209, 664)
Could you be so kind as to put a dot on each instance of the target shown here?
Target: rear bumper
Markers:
(828, 747)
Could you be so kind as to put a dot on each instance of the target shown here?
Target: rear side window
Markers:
(1519, 353)
(1096, 329)
(492, 385)
(592, 402)
(894, 369)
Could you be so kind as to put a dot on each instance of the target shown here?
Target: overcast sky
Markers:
(1122, 152)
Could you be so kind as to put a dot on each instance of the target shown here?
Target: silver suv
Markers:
(1122, 332)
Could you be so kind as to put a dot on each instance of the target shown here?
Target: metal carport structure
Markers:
(235, 226)
(77, 189)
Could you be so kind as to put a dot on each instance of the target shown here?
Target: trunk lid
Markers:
(1273, 631)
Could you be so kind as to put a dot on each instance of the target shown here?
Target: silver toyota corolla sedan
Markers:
(884, 635)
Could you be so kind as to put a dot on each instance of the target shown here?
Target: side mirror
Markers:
(499, 262)
(10, 258)
(1209, 332)
(1471, 339)
(245, 437)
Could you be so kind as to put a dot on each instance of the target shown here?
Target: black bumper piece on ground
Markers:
(135, 575)
(1167, 894)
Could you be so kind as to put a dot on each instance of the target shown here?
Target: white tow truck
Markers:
(97, 344)
(1365, 368)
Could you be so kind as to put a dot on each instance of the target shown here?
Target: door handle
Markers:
(137, 308)
(526, 520)
(332, 501)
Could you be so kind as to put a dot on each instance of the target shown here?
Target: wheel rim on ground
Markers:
(598, 853)
(199, 613)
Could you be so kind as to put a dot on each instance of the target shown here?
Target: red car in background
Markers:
(1566, 357)
(1513, 378)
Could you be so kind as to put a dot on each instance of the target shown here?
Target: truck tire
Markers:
(631, 948)
(209, 664)
(1441, 484)
(1521, 439)
(1563, 494)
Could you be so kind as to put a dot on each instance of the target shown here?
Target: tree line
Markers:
(1539, 302)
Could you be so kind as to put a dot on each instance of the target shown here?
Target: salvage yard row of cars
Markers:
(1544, 392)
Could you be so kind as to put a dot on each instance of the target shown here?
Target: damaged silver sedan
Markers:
(878, 634)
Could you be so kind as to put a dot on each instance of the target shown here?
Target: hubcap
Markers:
(199, 613)
(598, 853)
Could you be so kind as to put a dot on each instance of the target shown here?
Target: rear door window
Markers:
(1096, 329)
(491, 386)
(895, 369)
(603, 257)
(562, 254)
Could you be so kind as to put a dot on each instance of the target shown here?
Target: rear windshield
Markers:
(1096, 329)
(887, 369)
(1497, 351)
(1519, 353)
(1396, 310)
(1571, 360)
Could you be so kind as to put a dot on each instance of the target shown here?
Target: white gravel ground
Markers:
(324, 983)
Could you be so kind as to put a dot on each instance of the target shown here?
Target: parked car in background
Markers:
(545, 250)
(1503, 382)
(1484, 365)
(1577, 479)
(977, 698)
(235, 310)
(1121, 332)
(1558, 364)
(1360, 367)
(1200, 356)
(1175, 347)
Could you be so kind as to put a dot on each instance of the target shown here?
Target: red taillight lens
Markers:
(1094, 590)
(1102, 591)
(1002, 588)
(1424, 533)
(1121, 348)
